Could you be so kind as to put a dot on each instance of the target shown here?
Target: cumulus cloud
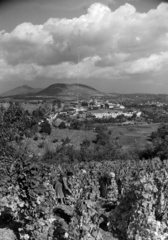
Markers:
(152, 63)
(111, 43)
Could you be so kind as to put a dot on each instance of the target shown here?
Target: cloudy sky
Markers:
(123, 46)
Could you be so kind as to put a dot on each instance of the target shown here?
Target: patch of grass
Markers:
(131, 135)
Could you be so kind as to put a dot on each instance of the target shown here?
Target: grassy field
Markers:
(133, 135)
(129, 136)
(39, 145)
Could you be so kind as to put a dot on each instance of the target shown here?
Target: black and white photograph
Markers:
(83, 120)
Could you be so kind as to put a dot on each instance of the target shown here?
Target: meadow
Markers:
(40, 143)
(128, 137)
(133, 134)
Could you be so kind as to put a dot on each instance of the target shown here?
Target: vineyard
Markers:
(30, 210)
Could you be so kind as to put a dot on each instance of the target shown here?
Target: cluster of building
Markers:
(92, 108)
(154, 103)
(103, 104)
(92, 104)
(115, 114)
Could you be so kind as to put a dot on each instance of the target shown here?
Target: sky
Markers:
(113, 45)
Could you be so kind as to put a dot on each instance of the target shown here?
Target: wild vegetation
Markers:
(29, 208)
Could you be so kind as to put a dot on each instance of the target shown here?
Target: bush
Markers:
(66, 141)
(158, 145)
(45, 127)
(35, 138)
(55, 140)
(62, 125)
(41, 144)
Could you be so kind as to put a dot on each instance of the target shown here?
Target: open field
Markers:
(128, 136)
(133, 135)
(51, 142)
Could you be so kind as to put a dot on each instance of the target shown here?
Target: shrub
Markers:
(66, 141)
(41, 144)
(62, 125)
(55, 140)
(35, 138)
(45, 127)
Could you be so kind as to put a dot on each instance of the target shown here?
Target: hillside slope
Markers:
(21, 90)
(70, 91)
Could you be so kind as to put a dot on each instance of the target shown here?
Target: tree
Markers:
(39, 113)
(158, 146)
(45, 127)
(62, 125)
(84, 104)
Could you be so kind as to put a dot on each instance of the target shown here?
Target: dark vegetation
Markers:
(158, 145)
(28, 203)
(45, 127)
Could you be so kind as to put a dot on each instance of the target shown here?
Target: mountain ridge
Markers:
(20, 90)
(69, 91)
(63, 91)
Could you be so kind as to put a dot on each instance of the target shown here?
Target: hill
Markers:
(70, 91)
(21, 90)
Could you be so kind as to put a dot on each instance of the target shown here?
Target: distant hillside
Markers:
(22, 90)
(69, 91)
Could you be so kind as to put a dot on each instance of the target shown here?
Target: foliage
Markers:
(15, 124)
(27, 196)
(62, 125)
(141, 212)
(158, 144)
(85, 222)
(39, 113)
(45, 127)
